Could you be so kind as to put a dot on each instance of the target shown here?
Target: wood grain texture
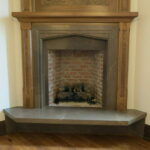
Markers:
(71, 142)
(76, 5)
(123, 66)
(82, 16)
(124, 5)
(73, 2)
(26, 5)
(73, 15)
(76, 14)
(28, 86)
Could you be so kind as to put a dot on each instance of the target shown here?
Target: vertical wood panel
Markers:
(28, 98)
(65, 5)
(123, 66)
(124, 5)
(26, 5)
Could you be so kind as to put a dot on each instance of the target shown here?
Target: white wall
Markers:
(139, 62)
(10, 57)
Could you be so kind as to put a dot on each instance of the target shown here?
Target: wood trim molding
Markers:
(99, 5)
(45, 17)
(123, 5)
(26, 5)
(123, 66)
(28, 87)
(147, 132)
(26, 26)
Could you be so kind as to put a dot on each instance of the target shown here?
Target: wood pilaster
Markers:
(123, 66)
(27, 66)
(27, 5)
(123, 5)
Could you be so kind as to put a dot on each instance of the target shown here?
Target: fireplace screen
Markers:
(75, 78)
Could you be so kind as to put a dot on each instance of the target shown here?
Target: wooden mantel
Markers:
(73, 17)
(122, 19)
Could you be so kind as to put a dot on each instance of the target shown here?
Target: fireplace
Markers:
(75, 71)
(75, 65)
(75, 68)
(75, 54)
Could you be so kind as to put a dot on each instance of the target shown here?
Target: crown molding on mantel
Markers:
(75, 17)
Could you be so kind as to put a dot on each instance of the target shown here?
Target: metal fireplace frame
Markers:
(108, 32)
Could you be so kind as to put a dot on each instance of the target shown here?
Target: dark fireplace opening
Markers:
(75, 93)
(75, 78)
(75, 71)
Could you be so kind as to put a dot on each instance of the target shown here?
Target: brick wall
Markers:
(68, 67)
(98, 74)
(53, 74)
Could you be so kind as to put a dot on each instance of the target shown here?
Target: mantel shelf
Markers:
(74, 16)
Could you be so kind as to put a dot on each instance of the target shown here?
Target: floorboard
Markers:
(71, 142)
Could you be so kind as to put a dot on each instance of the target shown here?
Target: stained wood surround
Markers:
(76, 5)
(117, 12)
(74, 17)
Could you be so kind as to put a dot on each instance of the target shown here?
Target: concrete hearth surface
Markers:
(74, 116)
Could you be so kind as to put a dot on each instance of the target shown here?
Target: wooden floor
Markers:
(71, 142)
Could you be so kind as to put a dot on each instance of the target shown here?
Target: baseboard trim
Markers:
(2, 128)
(147, 132)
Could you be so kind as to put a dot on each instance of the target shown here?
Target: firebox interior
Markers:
(75, 71)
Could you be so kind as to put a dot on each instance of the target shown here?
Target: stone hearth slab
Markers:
(74, 116)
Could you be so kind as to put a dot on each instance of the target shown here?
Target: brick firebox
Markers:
(72, 67)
